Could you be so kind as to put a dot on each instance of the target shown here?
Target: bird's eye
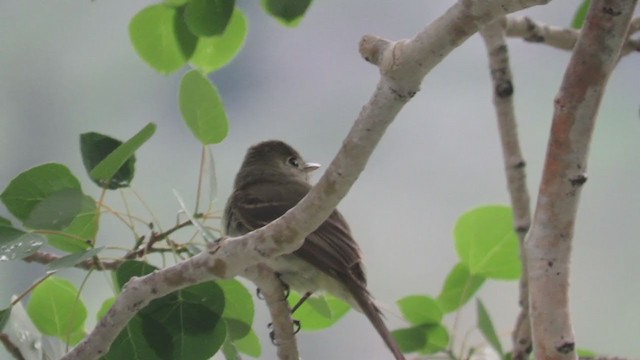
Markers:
(293, 161)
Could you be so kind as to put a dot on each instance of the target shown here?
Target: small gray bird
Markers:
(273, 178)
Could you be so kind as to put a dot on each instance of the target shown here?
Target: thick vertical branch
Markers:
(494, 38)
(548, 244)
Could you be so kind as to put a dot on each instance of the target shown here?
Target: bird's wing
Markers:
(330, 247)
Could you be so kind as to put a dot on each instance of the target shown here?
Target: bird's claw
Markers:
(272, 335)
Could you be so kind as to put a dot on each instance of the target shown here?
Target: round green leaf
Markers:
(56, 211)
(56, 309)
(437, 339)
(39, 190)
(318, 313)
(202, 108)
(287, 12)
(104, 308)
(110, 162)
(77, 236)
(208, 17)
(132, 344)
(458, 288)
(161, 37)
(214, 52)
(410, 339)
(420, 310)
(131, 268)
(249, 345)
(192, 317)
(238, 309)
(17, 244)
(94, 148)
(487, 243)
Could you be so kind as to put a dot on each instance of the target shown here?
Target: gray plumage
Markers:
(272, 179)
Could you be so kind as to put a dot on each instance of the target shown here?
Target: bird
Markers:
(272, 179)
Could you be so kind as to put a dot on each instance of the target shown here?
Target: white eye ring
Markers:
(293, 161)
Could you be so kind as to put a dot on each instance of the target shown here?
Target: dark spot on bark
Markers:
(558, 273)
(611, 11)
(504, 89)
(523, 229)
(578, 180)
(154, 290)
(219, 268)
(502, 49)
(520, 164)
(566, 347)
(550, 263)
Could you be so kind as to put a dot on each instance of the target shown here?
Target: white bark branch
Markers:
(403, 65)
(561, 38)
(514, 164)
(272, 290)
(548, 244)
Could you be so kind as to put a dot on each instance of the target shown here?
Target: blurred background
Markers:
(68, 67)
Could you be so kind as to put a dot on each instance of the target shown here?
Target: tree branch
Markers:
(561, 38)
(495, 41)
(548, 244)
(273, 291)
(403, 65)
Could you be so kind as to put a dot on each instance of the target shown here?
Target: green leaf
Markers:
(94, 148)
(131, 268)
(410, 339)
(56, 309)
(16, 244)
(78, 235)
(5, 222)
(581, 14)
(249, 345)
(47, 196)
(116, 169)
(487, 244)
(458, 288)
(202, 108)
(229, 351)
(193, 317)
(185, 324)
(104, 308)
(238, 308)
(420, 310)
(214, 52)
(437, 339)
(73, 259)
(132, 344)
(317, 314)
(208, 17)
(161, 37)
(56, 211)
(175, 3)
(287, 12)
(4, 317)
(486, 327)
(586, 353)
(425, 339)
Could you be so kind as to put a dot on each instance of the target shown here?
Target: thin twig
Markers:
(514, 164)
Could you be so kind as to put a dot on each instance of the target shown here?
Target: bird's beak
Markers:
(309, 167)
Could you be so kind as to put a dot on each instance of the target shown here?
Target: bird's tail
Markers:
(364, 300)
